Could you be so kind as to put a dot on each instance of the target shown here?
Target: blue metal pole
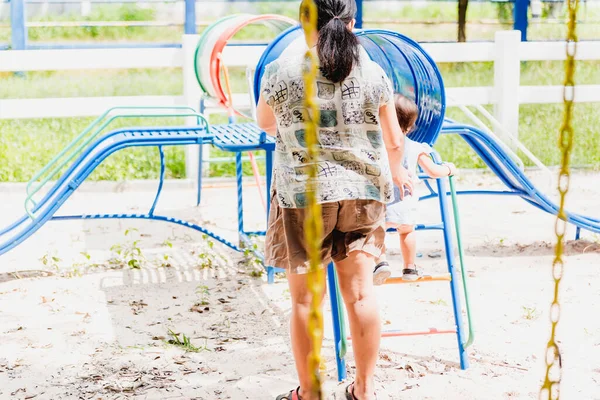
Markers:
(446, 220)
(520, 17)
(359, 14)
(336, 311)
(17, 25)
(202, 109)
(190, 17)
(240, 190)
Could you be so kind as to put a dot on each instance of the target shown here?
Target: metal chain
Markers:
(551, 387)
(313, 226)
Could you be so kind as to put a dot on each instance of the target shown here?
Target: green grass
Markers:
(27, 145)
(538, 130)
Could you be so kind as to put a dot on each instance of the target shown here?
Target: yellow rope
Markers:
(313, 226)
(551, 387)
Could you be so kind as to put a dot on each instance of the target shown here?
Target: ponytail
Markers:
(337, 46)
(337, 49)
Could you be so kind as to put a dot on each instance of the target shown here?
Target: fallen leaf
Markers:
(197, 308)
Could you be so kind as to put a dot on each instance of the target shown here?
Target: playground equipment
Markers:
(412, 72)
(90, 148)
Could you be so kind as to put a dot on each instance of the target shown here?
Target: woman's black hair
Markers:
(337, 46)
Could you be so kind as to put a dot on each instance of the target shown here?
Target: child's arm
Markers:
(435, 170)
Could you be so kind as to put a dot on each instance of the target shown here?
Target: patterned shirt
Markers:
(352, 160)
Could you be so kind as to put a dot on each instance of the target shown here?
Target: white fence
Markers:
(506, 52)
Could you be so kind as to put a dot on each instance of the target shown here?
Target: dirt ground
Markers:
(78, 322)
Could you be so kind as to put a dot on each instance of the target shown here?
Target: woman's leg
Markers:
(408, 244)
(301, 346)
(356, 284)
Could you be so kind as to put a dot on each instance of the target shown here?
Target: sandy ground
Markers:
(80, 327)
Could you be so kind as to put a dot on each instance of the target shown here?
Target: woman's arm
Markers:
(393, 139)
(435, 170)
(265, 117)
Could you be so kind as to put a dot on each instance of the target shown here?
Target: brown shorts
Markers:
(349, 225)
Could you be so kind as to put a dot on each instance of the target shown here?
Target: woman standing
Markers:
(360, 154)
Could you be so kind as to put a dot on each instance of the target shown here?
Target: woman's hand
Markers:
(403, 180)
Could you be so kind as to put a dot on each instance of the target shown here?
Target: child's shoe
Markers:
(411, 273)
(381, 272)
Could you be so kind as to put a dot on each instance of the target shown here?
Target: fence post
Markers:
(86, 8)
(359, 14)
(17, 25)
(192, 94)
(190, 17)
(520, 17)
(507, 71)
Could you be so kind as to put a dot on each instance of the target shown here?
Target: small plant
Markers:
(207, 256)
(253, 262)
(530, 313)
(128, 253)
(438, 302)
(185, 343)
(203, 292)
(50, 261)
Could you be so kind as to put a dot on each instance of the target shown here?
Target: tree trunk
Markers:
(462, 20)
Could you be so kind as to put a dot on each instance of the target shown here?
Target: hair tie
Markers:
(336, 17)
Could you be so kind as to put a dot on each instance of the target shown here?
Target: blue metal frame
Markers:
(520, 17)
(235, 138)
(189, 26)
(17, 23)
(336, 314)
(359, 14)
(446, 227)
(447, 230)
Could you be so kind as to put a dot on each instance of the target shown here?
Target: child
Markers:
(402, 214)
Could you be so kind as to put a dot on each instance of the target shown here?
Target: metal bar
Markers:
(394, 280)
(218, 160)
(87, 45)
(199, 178)
(190, 17)
(269, 176)
(461, 257)
(152, 217)
(428, 331)
(100, 24)
(255, 233)
(520, 18)
(240, 189)
(18, 27)
(336, 313)
(359, 14)
(464, 361)
(161, 179)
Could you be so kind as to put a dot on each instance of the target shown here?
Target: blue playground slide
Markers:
(497, 159)
(83, 166)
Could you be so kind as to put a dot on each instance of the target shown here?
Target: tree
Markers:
(462, 20)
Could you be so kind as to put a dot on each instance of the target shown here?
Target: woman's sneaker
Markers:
(411, 274)
(381, 272)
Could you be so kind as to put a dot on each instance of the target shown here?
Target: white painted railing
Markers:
(506, 52)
